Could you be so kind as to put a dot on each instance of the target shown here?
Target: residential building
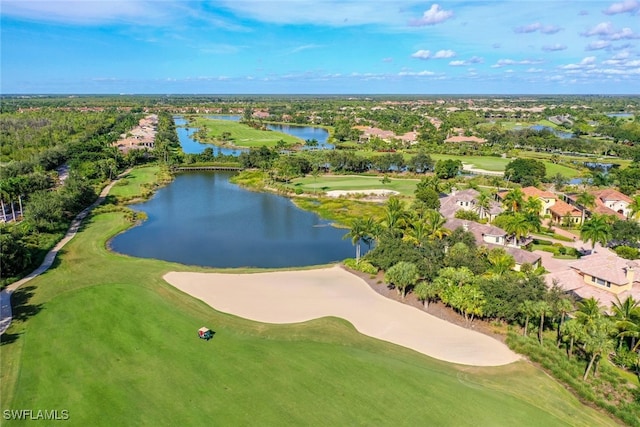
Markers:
(565, 214)
(602, 275)
(467, 200)
(493, 237)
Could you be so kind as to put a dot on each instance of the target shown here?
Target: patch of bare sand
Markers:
(299, 296)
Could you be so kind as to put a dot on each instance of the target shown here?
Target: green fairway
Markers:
(241, 135)
(354, 182)
(102, 336)
(498, 164)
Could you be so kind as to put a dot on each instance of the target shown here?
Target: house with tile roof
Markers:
(547, 198)
(602, 275)
(607, 202)
(563, 213)
(467, 200)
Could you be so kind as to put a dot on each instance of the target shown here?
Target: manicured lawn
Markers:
(354, 182)
(498, 164)
(241, 134)
(482, 162)
(104, 337)
(133, 183)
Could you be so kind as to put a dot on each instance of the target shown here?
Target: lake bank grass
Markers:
(325, 183)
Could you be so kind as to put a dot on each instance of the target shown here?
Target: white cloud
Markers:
(303, 48)
(435, 15)
(467, 62)
(422, 54)
(597, 45)
(426, 54)
(389, 59)
(443, 54)
(554, 47)
(630, 6)
(506, 62)
(587, 62)
(606, 31)
(536, 26)
(416, 73)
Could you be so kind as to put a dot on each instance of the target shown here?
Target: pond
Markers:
(559, 134)
(203, 219)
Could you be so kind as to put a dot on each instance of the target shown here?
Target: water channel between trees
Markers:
(203, 219)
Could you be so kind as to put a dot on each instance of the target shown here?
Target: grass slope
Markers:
(103, 336)
(243, 135)
(354, 182)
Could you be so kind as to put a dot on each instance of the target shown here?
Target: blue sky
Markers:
(320, 47)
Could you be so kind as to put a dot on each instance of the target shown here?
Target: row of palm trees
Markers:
(587, 327)
(415, 225)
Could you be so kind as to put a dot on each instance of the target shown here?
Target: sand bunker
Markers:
(377, 193)
(298, 296)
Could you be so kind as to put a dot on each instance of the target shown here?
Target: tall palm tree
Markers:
(483, 204)
(434, 223)
(586, 201)
(514, 200)
(527, 309)
(596, 230)
(573, 332)
(416, 232)
(597, 342)
(542, 309)
(356, 233)
(589, 311)
(395, 213)
(626, 316)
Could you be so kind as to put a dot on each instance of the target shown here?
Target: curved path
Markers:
(298, 296)
(5, 295)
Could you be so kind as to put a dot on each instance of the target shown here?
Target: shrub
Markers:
(627, 252)
(363, 266)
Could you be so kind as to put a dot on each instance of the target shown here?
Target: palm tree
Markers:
(532, 206)
(589, 311)
(634, 207)
(417, 232)
(626, 316)
(517, 226)
(425, 292)
(483, 204)
(596, 230)
(514, 200)
(573, 332)
(500, 261)
(357, 233)
(395, 213)
(434, 223)
(597, 342)
(542, 309)
(585, 200)
(527, 309)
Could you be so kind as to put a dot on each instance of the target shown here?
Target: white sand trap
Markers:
(371, 192)
(298, 296)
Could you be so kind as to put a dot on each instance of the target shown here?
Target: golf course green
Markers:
(240, 134)
(102, 336)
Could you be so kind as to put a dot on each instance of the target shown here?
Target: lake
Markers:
(203, 219)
